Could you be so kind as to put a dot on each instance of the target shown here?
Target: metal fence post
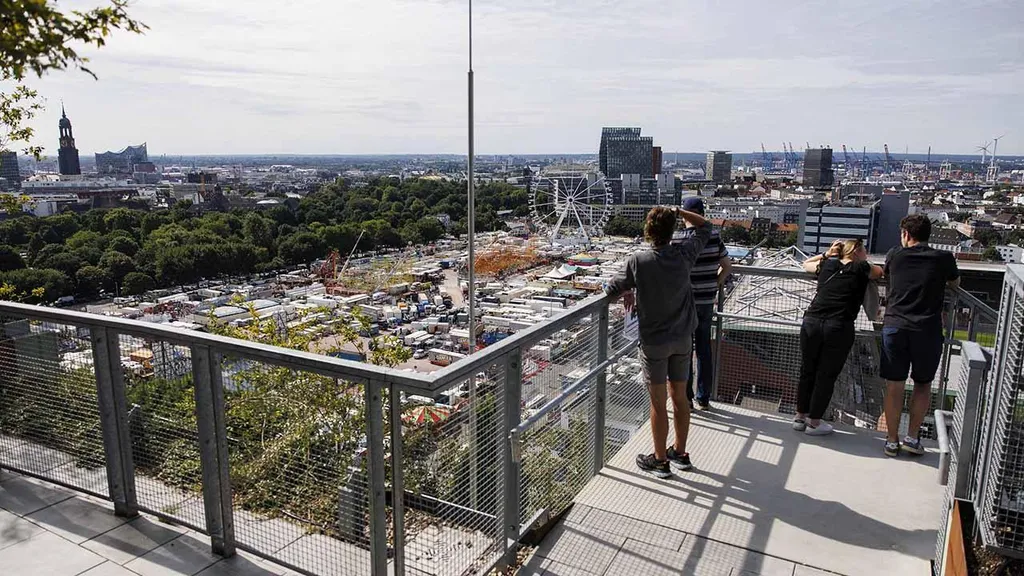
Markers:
(946, 348)
(113, 407)
(972, 323)
(213, 449)
(510, 458)
(717, 356)
(977, 365)
(397, 480)
(600, 389)
(375, 466)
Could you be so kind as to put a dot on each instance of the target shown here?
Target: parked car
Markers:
(419, 354)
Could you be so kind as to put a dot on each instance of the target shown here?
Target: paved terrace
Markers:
(46, 530)
(764, 500)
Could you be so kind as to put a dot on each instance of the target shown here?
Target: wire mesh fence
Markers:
(160, 397)
(298, 450)
(558, 451)
(627, 402)
(453, 475)
(1000, 486)
(49, 414)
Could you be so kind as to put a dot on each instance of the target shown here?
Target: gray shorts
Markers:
(671, 361)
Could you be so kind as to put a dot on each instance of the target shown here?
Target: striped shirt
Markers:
(704, 276)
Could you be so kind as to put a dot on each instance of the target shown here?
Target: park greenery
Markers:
(128, 252)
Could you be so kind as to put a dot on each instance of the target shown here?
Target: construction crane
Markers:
(766, 159)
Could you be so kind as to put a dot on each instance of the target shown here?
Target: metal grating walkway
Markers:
(765, 500)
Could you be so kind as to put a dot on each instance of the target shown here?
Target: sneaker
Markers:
(892, 449)
(657, 468)
(799, 424)
(704, 404)
(677, 460)
(913, 446)
(822, 429)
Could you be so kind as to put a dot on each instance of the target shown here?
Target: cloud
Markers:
(389, 76)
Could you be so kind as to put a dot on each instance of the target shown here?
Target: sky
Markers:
(389, 76)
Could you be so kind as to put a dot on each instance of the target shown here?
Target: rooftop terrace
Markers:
(239, 458)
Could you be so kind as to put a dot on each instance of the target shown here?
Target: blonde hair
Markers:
(849, 247)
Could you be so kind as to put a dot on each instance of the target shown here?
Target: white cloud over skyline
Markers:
(389, 76)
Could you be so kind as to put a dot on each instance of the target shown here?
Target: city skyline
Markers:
(389, 78)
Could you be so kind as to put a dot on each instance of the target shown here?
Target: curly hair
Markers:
(660, 224)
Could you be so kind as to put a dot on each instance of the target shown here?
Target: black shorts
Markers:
(911, 353)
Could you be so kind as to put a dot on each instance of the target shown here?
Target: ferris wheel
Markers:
(570, 207)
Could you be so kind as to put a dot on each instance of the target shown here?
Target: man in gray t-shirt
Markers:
(667, 318)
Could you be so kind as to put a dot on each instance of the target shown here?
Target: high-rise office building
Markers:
(122, 162)
(818, 168)
(656, 157)
(625, 151)
(9, 171)
(874, 221)
(67, 156)
(719, 167)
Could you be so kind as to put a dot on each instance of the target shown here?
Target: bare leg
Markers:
(893, 408)
(681, 414)
(919, 403)
(659, 418)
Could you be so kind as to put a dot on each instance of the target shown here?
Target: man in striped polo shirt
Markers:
(709, 272)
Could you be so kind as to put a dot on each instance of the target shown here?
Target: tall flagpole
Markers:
(471, 232)
(471, 221)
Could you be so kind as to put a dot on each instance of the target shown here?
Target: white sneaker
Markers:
(823, 429)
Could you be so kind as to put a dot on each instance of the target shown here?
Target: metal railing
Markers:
(312, 461)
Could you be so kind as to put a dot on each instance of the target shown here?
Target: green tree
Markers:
(123, 245)
(136, 283)
(736, 234)
(991, 253)
(301, 247)
(258, 231)
(90, 280)
(10, 259)
(40, 285)
(117, 264)
(122, 219)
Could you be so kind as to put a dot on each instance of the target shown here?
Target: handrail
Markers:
(572, 388)
(465, 368)
(297, 359)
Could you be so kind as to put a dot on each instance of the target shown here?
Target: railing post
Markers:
(113, 407)
(397, 480)
(213, 448)
(510, 457)
(972, 324)
(946, 347)
(717, 355)
(977, 365)
(375, 467)
(600, 389)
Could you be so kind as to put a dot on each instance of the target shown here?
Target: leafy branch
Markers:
(36, 37)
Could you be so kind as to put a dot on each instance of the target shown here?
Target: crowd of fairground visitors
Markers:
(672, 288)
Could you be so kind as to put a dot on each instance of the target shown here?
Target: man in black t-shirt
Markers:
(912, 337)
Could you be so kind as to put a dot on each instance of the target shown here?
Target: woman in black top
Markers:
(827, 332)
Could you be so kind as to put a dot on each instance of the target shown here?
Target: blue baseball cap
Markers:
(694, 204)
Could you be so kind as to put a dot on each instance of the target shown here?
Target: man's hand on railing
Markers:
(629, 301)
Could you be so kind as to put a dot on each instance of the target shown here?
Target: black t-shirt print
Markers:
(917, 279)
(840, 289)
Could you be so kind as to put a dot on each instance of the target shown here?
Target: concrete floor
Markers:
(46, 530)
(763, 500)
